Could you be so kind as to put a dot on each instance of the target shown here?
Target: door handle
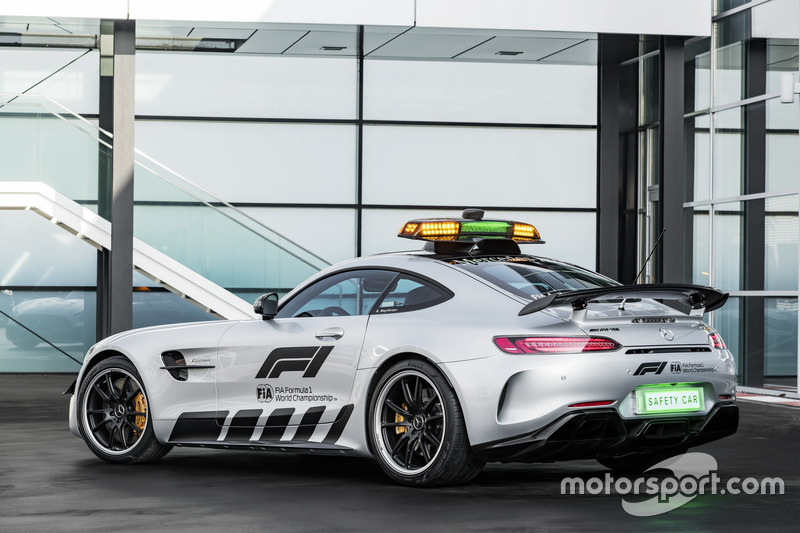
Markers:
(330, 333)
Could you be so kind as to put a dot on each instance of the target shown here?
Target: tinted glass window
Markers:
(346, 293)
(529, 277)
(409, 294)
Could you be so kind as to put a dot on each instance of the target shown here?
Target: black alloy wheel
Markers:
(417, 428)
(114, 414)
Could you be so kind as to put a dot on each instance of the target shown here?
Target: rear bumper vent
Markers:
(686, 349)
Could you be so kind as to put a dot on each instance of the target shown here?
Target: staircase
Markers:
(52, 161)
(43, 200)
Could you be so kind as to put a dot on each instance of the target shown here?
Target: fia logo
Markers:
(264, 393)
(675, 367)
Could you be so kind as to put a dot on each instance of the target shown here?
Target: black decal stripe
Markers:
(199, 426)
(276, 424)
(302, 352)
(308, 424)
(338, 427)
(288, 365)
(243, 425)
(316, 363)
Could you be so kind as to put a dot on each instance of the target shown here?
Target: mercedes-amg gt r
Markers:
(433, 362)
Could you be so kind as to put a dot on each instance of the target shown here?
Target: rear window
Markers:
(529, 277)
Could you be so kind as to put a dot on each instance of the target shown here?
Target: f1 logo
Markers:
(306, 359)
(645, 368)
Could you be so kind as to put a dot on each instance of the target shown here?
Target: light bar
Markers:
(463, 230)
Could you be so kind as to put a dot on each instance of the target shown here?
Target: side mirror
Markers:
(266, 305)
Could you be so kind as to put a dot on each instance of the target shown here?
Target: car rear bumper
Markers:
(597, 433)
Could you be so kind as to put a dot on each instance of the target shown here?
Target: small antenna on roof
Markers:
(472, 214)
(636, 279)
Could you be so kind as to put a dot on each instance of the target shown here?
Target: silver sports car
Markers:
(433, 362)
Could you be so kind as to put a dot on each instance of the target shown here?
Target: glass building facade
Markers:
(266, 153)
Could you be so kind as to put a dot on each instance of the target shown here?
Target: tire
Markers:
(636, 463)
(417, 430)
(113, 414)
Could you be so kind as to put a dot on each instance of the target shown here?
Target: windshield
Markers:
(529, 276)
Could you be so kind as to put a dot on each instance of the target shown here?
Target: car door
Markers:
(290, 378)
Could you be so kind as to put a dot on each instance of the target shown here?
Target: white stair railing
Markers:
(43, 200)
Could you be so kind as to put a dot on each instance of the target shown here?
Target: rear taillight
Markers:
(555, 344)
(715, 340)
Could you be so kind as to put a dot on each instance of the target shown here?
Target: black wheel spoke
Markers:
(417, 393)
(429, 403)
(111, 389)
(122, 437)
(98, 411)
(407, 396)
(112, 436)
(425, 453)
(432, 438)
(123, 395)
(397, 409)
(136, 413)
(133, 426)
(433, 417)
(395, 424)
(101, 393)
(409, 454)
(98, 436)
(399, 444)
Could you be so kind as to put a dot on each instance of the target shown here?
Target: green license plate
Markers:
(669, 400)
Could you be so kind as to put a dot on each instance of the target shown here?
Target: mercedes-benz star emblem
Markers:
(667, 334)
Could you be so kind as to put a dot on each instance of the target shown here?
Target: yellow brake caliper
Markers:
(141, 407)
(399, 418)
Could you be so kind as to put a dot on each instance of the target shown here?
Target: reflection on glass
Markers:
(781, 57)
(728, 246)
(50, 331)
(730, 35)
(65, 319)
(729, 153)
(783, 156)
(700, 250)
(728, 320)
(697, 90)
(720, 6)
(40, 141)
(781, 248)
(780, 337)
(36, 252)
(698, 148)
(649, 95)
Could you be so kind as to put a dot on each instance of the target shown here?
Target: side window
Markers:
(409, 294)
(347, 293)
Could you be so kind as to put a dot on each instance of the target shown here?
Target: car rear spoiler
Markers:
(700, 299)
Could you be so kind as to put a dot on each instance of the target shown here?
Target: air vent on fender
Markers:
(175, 364)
